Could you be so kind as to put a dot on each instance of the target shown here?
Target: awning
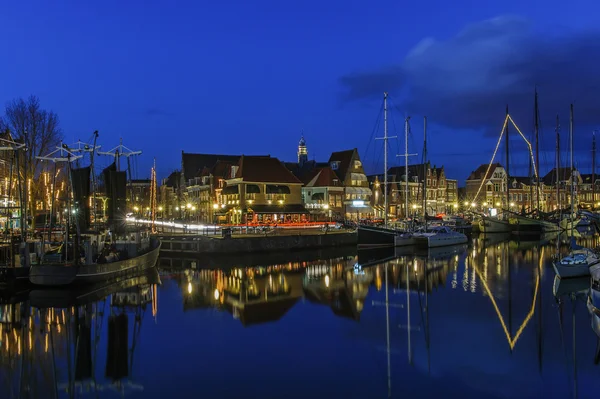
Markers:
(358, 176)
(318, 196)
(276, 189)
(273, 209)
(252, 189)
(358, 190)
(231, 190)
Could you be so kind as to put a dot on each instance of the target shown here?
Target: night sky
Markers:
(249, 77)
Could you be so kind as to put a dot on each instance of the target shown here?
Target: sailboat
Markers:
(579, 260)
(535, 223)
(113, 253)
(375, 236)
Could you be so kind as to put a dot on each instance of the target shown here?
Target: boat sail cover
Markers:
(81, 194)
(115, 183)
(117, 366)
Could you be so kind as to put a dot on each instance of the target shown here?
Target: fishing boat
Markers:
(61, 274)
(439, 236)
(92, 257)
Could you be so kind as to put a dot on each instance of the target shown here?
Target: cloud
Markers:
(467, 80)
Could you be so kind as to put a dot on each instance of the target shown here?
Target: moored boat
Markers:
(593, 301)
(439, 236)
(493, 225)
(576, 264)
(69, 273)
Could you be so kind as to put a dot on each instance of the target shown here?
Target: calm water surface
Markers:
(476, 321)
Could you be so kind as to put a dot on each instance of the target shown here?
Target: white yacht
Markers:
(439, 236)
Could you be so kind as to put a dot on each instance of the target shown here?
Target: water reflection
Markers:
(484, 320)
(59, 350)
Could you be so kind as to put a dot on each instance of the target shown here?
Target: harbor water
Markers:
(486, 320)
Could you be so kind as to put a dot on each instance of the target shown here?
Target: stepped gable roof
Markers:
(479, 173)
(264, 169)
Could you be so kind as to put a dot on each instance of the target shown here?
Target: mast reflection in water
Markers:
(78, 342)
(483, 320)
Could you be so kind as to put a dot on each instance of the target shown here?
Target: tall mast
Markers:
(556, 178)
(593, 169)
(507, 162)
(424, 167)
(572, 173)
(406, 165)
(94, 185)
(385, 161)
(537, 151)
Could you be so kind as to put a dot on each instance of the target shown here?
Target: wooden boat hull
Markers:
(523, 226)
(61, 275)
(491, 225)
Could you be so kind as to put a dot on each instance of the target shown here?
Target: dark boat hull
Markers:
(81, 295)
(62, 275)
(13, 275)
(370, 236)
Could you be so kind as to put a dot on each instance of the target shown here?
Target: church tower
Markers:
(302, 152)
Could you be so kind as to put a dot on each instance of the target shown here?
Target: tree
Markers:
(40, 130)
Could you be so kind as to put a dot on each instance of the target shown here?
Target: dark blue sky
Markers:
(248, 77)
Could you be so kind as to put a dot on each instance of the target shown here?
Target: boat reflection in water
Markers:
(495, 297)
(54, 343)
(487, 319)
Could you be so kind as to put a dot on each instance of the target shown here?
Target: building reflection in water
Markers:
(52, 351)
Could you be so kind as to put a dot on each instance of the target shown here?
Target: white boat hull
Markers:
(434, 242)
(404, 240)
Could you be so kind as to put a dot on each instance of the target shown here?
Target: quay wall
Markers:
(199, 244)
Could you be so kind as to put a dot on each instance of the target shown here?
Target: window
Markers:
(335, 165)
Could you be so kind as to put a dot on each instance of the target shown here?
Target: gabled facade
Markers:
(323, 194)
(487, 184)
(589, 191)
(262, 190)
(169, 196)
(357, 195)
